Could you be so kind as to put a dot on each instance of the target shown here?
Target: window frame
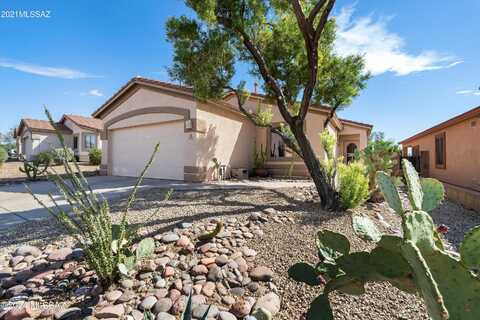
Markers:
(84, 141)
(293, 156)
(444, 150)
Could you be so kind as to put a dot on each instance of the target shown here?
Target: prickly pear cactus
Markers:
(425, 281)
(389, 191)
(415, 193)
(145, 248)
(470, 249)
(366, 229)
(433, 193)
(415, 263)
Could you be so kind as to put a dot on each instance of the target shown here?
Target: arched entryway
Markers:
(351, 149)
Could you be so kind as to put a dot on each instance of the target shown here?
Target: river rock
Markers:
(270, 302)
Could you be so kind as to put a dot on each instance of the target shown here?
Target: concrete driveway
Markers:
(17, 205)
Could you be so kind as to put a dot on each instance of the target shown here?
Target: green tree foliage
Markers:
(286, 44)
(379, 155)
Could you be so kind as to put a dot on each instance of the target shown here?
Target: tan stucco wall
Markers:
(146, 98)
(462, 154)
(229, 137)
(76, 130)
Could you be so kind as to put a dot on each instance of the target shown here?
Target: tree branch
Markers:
(311, 44)
(267, 77)
(316, 9)
(286, 139)
(330, 115)
(323, 20)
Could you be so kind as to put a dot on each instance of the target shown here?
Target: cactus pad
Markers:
(145, 248)
(366, 229)
(470, 249)
(459, 287)
(415, 193)
(331, 245)
(389, 191)
(425, 281)
(320, 309)
(419, 228)
(433, 193)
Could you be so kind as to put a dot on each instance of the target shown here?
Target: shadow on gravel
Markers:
(184, 206)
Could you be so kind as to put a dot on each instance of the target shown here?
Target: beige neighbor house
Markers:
(192, 132)
(80, 133)
(450, 152)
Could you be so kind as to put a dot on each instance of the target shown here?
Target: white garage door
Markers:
(132, 147)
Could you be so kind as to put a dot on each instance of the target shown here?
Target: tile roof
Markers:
(85, 122)
(42, 125)
(355, 122)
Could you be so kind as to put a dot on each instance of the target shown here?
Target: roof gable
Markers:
(84, 122)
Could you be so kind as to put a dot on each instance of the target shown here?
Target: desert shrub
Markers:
(60, 155)
(34, 168)
(353, 188)
(379, 155)
(45, 157)
(3, 156)
(87, 219)
(95, 156)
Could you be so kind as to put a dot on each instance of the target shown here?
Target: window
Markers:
(89, 141)
(75, 142)
(351, 148)
(440, 152)
(278, 149)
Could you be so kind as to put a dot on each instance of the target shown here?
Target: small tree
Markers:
(288, 45)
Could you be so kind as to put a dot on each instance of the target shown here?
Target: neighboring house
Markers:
(450, 152)
(85, 134)
(80, 134)
(192, 132)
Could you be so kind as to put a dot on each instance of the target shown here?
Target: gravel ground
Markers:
(282, 245)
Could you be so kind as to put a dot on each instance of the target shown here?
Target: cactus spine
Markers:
(415, 263)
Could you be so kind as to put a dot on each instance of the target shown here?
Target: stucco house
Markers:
(192, 132)
(80, 133)
(450, 152)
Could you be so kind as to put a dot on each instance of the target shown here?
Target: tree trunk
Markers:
(329, 198)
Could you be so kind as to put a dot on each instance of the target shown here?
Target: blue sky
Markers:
(424, 55)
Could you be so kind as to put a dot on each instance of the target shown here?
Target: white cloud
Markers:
(54, 72)
(384, 50)
(469, 92)
(95, 93)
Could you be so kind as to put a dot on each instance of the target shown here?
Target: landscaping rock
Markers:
(270, 302)
(164, 316)
(224, 315)
(200, 310)
(170, 237)
(241, 308)
(60, 254)
(148, 303)
(261, 273)
(162, 305)
(69, 313)
(115, 312)
(27, 251)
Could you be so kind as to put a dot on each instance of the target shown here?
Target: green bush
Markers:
(353, 185)
(3, 156)
(61, 154)
(95, 156)
(45, 157)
